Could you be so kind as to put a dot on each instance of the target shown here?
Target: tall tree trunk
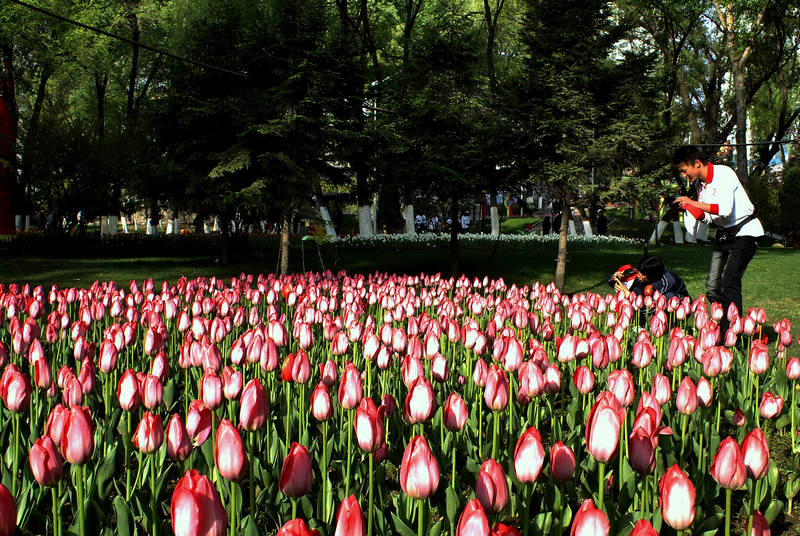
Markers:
(9, 118)
(738, 64)
(285, 240)
(455, 226)
(561, 261)
(33, 129)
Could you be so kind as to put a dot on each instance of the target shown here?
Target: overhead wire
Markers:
(127, 40)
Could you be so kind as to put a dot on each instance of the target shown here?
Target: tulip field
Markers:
(353, 405)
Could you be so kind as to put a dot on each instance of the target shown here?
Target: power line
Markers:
(127, 40)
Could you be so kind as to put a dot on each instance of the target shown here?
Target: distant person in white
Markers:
(723, 201)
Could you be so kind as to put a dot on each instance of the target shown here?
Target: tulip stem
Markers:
(453, 451)
(601, 480)
(420, 521)
(791, 412)
(80, 505)
(349, 449)
(526, 514)
(294, 508)
(287, 419)
(251, 476)
(728, 493)
(324, 470)
(496, 419)
(14, 478)
(480, 431)
(683, 435)
(234, 510)
(153, 494)
(128, 459)
(369, 515)
(56, 524)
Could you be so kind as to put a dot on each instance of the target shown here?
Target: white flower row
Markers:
(473, 239)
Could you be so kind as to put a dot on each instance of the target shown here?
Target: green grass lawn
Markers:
(772, 280)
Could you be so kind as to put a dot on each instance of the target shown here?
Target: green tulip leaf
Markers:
(123, 514)
(106, 472)
(451, 504)
(710, 525)
(437, 528)
(773, 511)
(401, 528)
(792, 487)
(251, 529)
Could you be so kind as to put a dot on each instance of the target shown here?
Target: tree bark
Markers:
(561, 260)
(285, 241)
(8, 140)
(455, 226)
(738, 64)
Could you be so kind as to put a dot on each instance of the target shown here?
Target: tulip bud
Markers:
(528, 456)
(676, 496)
(253, 410)
(473, 521)
(149, 433)
(196, 508)
(500, 529)
(198, 422)
(419, 471)
(496, 392)
(770, 405)
(231, 383)
(77, 438)
(643, 528)
(686, 399)
(420, 403)
(589, 521)
(583, 380)
(349, 521)
(45, 462)
(297, 527)
(229, 455)
(602, 428)
(369, 427)
(727, 468)
(296, 473)
(760, 525)
(755, 451)
(211, 389)
(350, 388)
(562, 462)
(179, 444)
(491, 488)
(8, 512)
(455, 412)
(152, 392)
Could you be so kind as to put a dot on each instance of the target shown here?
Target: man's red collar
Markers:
(710, 173)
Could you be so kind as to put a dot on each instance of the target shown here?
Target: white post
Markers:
(170, 227)
(125, 224)
(215, 229)
(587, 227)
(375, 213)
(18, 222)
(494, 217)
(330, 230)
(408, 214)
(206, 228)
(571, 224)
(365, 225)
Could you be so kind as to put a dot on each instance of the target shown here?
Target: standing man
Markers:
(723, 201)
